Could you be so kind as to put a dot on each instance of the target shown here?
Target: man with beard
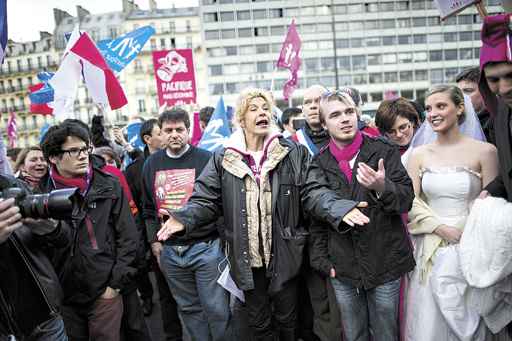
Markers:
(189, 262)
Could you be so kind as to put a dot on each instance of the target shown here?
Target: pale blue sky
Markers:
(27, 17)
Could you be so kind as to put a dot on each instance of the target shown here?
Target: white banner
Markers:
(451, 7)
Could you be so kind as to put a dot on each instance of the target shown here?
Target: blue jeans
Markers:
(192, 274)
(51, 330)
(374, 310)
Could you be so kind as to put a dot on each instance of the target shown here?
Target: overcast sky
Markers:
(27, 17)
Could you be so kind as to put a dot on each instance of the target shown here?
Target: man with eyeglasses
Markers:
(100, 262)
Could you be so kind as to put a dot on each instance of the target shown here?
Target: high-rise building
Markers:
(378, 46)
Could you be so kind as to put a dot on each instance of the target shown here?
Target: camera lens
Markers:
(57, 204)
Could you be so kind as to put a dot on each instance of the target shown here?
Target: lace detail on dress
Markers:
(449, 169)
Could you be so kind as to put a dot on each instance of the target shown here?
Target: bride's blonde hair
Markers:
(455, 94)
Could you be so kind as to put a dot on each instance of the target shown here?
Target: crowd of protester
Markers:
(320, 224)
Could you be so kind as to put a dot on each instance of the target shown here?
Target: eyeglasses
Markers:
(76, 152)
(402, 129)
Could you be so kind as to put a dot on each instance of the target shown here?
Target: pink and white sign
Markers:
(175, 77)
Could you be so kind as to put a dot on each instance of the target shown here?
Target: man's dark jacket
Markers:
(218, 192)
(103, 252)
(379, 251)
(33, 250)
(487, 123)
(502, 185)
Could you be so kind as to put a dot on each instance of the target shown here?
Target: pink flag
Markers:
(196, 130)
(12, 130)
(289, 59)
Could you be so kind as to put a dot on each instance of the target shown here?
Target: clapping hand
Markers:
(371, 179)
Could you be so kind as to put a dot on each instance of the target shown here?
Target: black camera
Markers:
(58, 204)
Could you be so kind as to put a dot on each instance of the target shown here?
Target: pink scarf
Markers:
(344, 155)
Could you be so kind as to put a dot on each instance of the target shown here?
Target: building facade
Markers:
(380, 47)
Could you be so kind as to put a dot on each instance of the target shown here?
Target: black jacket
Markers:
(218, 192)
(33, 251)
(380, 251)
(103, 251)
(487, 123)
(502, 185)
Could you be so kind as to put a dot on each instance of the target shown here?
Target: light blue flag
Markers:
(121, 51)
(133, 132)
(218, 130)
(43, 131)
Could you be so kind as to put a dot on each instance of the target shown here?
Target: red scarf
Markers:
(32, 181)
(61, 182)
(344, 155)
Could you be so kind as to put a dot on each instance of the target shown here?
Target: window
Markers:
(325, 45)
(327, 63)
(450, 55)
(450, 74)
(437, 76)
(389, 40)
(263, 67)
(375, 78)
(420, 56)
(39, 62)
(341, 26)
(465, 54)
(386, 6)
(419, 22)
(259, 14)
(247, 49)
(344, 63)
(402, 5)
(388, 23)
(356, 42)
(228, 34)
(450, 37)
(153, 44)
(390, 77)
(355, 8)
(323, 28)
(232, 88)
(407, 94)
(211, 35)
(342, 43)
(311, 64)
(277, 30)
(405, 40)
(371, 25)
(215, 70)
(405, 57)
(189, 42)
(375, 97)
(243, 15)
(214, 52)
(371, 7)
(421, 75)
(227, 16)
(263, 48)
(435, 38)
(373, 41)
(261, 31)
(310, 45)
(162, 43)
(405, 76)
(345, 80)
(231, 69)
(307, 11)
(275, 13)
(327, 81)
(389, 58)
(420, 38)
(291, 12)
(216, 89)
(231, 50)
(360, 79)
(358, 63)
(355, 26)
(403, 22)
(249, 68)
(418, 4)
(142, 105)
(465, 36)
(465, 19)
(436, 56)
(244, 32)
(374, 59)
(308, 28)
(340, 9)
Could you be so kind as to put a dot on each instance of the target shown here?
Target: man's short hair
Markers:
(174, 115)
(57, 135)
(147, 128)
(288, 113)
(205, 114)
(470, 75)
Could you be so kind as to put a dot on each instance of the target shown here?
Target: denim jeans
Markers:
(192, 274)
(51, 330)
(372, 311)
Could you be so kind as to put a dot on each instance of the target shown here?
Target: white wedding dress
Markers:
(449, 191)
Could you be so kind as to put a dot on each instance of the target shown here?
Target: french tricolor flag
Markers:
(3, 29)
(83, 59)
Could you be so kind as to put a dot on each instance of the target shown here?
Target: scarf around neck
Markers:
(61, 182)
(344, 155)
(32, 181)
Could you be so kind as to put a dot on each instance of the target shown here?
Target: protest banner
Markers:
(175, 77)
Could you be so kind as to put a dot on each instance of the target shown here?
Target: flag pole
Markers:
(480, 7)
(272, 80)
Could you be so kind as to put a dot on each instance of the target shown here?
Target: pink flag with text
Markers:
(289, 59)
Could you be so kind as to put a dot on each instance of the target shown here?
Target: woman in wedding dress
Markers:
(447, 175)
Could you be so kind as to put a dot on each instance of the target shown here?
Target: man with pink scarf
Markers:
(365, 259)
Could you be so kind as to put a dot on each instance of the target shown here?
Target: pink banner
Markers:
(12, 130)
(175, 79)
(289, 59)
